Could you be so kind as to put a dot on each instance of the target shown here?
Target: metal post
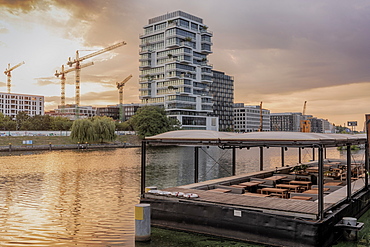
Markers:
(313, 153)
(366, 165)
(143, 165)
(282, 156)
(349, 174)
(321, 183)
(299, 155)
(261, 158)
(234, 162)
(367, 146)
(196, 164)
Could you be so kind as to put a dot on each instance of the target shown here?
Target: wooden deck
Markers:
(278, 206)
(305, 209)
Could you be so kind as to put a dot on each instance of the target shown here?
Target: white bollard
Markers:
(348, 234)
(142, 222)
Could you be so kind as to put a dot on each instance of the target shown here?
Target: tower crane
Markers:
(120, 91)
(261, 119)
(62, 73)
(305, 123)
(79, 59)
(8, 73)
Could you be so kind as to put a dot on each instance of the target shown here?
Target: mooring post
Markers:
(196, 164)
(261, 158)
(142, 222)
(282, 156)
(143, 165)
(321, 183)
(349, 174)
(233, 162)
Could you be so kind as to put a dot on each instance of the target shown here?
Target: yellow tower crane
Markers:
(62, 73)
(261, 119)
(305, 123)
(120, 91)
(79, 59)
(8, 73)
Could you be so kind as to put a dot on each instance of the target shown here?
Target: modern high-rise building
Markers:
(222, 91)
(11, 104)
(174, 69)
(247, 118)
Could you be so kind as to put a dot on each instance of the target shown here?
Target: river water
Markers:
(87, 197)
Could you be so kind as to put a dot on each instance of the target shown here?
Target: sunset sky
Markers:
(280, 52)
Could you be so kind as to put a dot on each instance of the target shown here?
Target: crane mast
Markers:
(261, 118)
(305, 124)
(62, 73)
(8, 73)
(78, 67)
(120, 91)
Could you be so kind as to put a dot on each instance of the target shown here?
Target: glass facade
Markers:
(174, 73)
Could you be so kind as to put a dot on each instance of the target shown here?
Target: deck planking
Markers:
(239, 200)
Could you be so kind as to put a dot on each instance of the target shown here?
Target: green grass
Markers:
(169, 238)
(58, 140)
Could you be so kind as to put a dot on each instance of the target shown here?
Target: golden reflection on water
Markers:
(66, 198)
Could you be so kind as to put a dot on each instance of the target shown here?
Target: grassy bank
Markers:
(58, 140)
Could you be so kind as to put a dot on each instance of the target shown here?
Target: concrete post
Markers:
(142, 222)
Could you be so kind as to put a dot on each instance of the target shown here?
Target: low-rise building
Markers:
(11, 104)
(248, 118)
(287, 121)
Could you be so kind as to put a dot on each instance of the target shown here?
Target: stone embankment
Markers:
(13, 148)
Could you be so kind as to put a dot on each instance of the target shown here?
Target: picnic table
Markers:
(307, 184)
(290, 187)
(283, 193)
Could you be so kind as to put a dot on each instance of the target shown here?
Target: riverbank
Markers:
(16, 143)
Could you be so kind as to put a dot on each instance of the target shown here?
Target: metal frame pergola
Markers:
(227, 140)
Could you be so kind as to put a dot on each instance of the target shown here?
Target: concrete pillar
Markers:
(142, 222)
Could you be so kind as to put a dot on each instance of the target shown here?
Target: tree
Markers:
(98, 129)
(104, 129)
(125, 126)
(61, 123)
(39, 122)
(152, 120)
(82, 131)
(20, 119)
(6, 123)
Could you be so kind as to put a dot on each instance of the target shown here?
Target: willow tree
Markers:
(82, 131)
(97, 129)
(104, 129)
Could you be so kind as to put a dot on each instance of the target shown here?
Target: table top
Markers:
(292, 186)
(276, 177)
(238, 186)
(252, 183)
(333, 183)
(274, 190)
(220, 190)
(306, 198)
(299, 182)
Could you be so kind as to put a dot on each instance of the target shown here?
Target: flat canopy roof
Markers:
(254, 139)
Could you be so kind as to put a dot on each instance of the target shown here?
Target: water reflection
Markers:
(87, 197)
(69, 198)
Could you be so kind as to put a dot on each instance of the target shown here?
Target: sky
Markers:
(279, 52)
